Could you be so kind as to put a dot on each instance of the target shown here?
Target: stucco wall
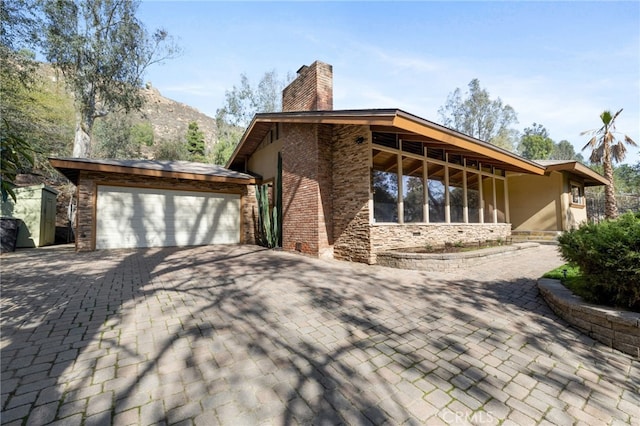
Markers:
(87, 191)
(535, 202)
(264, 162)
(573, 214)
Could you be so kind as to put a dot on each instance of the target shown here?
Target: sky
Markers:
(559, 64)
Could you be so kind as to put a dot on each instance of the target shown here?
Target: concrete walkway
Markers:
(243, 336)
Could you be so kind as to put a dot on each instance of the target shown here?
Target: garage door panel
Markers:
(141, 217)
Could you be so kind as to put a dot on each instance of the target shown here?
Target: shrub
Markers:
(608, 254)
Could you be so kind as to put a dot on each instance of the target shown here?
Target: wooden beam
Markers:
(466, 144)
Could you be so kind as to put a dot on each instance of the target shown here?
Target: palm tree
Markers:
(605, 148)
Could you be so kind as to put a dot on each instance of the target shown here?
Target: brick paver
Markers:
(240, 335)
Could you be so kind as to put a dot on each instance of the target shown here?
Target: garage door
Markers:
(142, 217)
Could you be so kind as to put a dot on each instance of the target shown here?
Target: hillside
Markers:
(169, 119)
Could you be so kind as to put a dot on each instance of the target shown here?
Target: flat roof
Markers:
(406, 125)
(71, 168)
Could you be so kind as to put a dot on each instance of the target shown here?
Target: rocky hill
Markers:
(170, 119)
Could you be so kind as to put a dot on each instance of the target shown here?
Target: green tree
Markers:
(241, 104)
(244, 101)
(195, 142)
(563, 150)
(171, 150)
(102, 50)
(228, 137)
(479, 116)
(627, 178)
(17, 68)
(535, 143)
(142, 133)
(114, 139)
(605, 149)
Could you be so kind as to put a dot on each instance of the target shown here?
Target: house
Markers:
(555, 202)
(352, 183)
(358, 182)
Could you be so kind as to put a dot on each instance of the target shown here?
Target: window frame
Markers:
(483, 171)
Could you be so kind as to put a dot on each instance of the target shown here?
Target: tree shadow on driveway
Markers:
(243, 335)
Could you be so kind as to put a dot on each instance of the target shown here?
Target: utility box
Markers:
(35, 206)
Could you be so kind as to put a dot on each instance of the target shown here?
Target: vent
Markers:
(389, 140)
(413, 147)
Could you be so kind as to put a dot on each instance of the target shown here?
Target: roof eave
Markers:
(65, 166)
(395, 118)
(423, 127)
(591, 177)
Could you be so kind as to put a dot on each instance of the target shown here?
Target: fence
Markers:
(625, 203)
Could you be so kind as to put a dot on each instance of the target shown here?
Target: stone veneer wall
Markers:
(325, 185)
(351, 179)
(87, 192)
(616, 329)
(392, 236)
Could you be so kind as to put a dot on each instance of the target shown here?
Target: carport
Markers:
(146, 203)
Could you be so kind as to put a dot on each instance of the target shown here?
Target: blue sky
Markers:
(559, 64)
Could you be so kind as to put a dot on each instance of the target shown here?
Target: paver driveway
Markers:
(241, 335)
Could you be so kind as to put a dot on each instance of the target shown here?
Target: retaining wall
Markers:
(616, 329)
(447, 261)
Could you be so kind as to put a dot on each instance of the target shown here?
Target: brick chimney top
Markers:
(312, 90)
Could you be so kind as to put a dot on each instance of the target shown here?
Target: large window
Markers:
(385, 186)
(436, 192)
(456, 191)
(473, 197)
(413, 189)
(456, 195)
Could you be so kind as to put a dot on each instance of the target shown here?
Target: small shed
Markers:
(36, 206)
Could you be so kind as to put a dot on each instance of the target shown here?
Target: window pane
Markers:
(576, 194)
(436, 192)
(473, 197)
(385, 186)
(412, 188)
(456, 195)
(413, 204)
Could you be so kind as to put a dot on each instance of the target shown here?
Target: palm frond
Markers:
(618, 152)
(630, 141)
(591, 143)
(616, 115)
(597, 154)
(609, 137)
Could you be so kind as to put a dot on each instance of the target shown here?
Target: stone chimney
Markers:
(312, 90)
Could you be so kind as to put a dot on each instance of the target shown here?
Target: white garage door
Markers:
(141, 217)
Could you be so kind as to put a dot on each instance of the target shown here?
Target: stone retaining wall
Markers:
(614, 328)
(447, 261)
